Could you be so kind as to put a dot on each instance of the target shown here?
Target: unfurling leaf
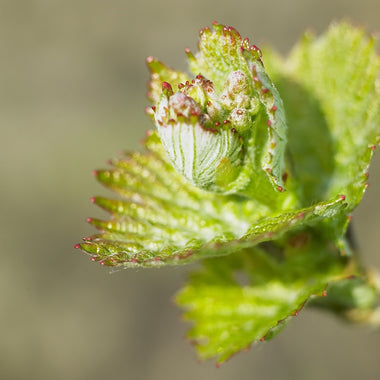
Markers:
(211, 184)
(159, 220)
(225, 129)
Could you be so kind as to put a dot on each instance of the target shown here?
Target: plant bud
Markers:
(224, 131)
(209, 156)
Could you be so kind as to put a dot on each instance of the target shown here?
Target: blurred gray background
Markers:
(72, 95)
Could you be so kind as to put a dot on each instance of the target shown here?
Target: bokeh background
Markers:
(72, 95)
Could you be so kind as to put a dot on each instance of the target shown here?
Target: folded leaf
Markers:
(224, 130)
(161, 219)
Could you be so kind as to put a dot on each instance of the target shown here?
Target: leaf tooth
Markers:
(119, 253)
(123, 179)
(89, 247)
(169, 192)
(128, 225)
(110, 205)
(148, 175)
(157, 167)
(103, 249)
(133, 225)
(145, 165)
(147, 242)
(127, 182)
(159, 73)
(190, 56)
(131, 186)
(128, 208)
(163, 216)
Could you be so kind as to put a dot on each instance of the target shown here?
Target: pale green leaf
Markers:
(356, 293)
(160, 219)
(232, 95)
(332, 90)
(268, 252)
(161, 73)
(248, 297)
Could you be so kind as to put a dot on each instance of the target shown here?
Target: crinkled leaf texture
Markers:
(277, 255)
(161, 219)
(248, 297)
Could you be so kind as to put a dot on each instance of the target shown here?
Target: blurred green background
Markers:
(72, 94)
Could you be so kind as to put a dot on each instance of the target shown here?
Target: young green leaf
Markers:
(349, 296)
(211, 183)
(158, 219)
(338, 76)
(248, 297)
(225, 130)
(331, 90)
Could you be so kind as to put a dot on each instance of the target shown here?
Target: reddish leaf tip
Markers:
(342, 197)
(166, 85)
(76, 246)
(167, 89)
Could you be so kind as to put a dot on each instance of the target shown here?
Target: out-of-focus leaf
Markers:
(248, 297)
(331, 89)
(161, 73)
(354, 293)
